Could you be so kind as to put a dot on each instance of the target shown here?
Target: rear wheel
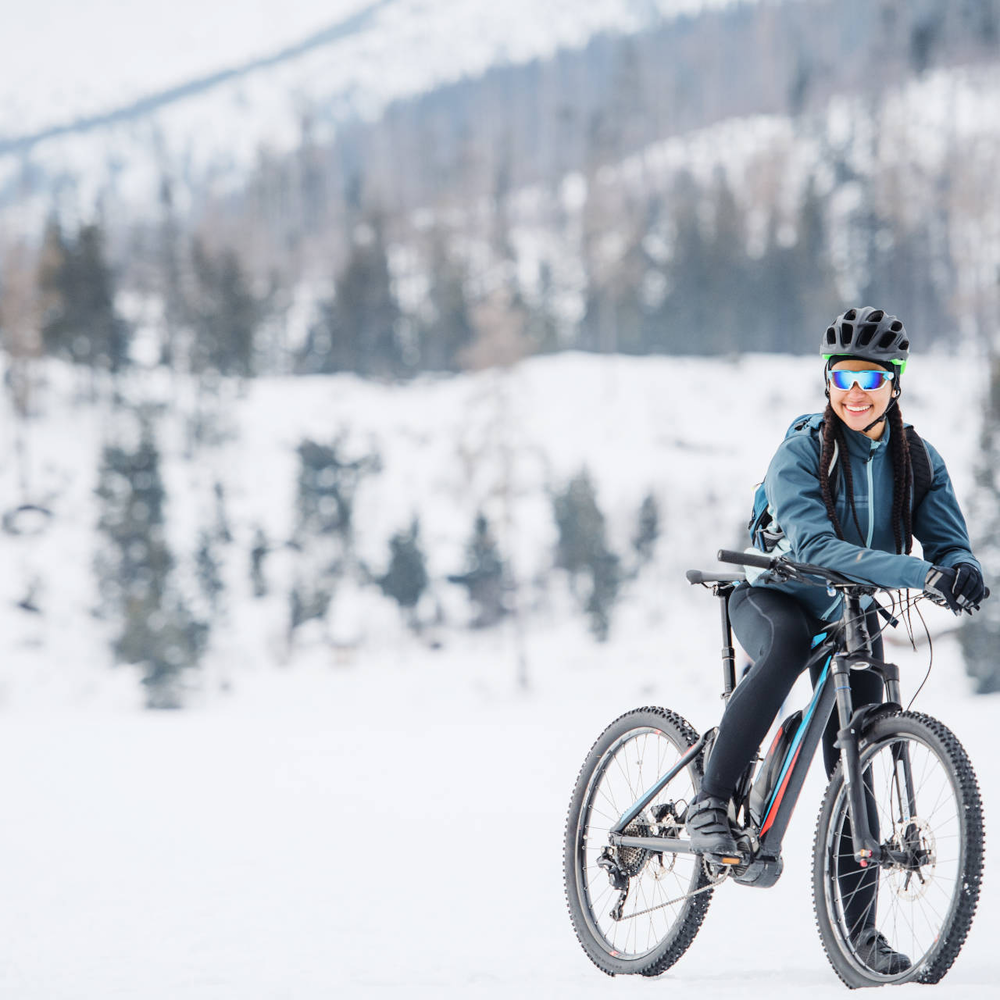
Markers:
(633, 910)
(922, 901)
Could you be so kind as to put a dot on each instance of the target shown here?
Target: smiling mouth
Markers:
(857, 409)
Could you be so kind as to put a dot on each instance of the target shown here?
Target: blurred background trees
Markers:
(641, 194)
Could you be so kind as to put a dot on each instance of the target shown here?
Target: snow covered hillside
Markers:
(376, 49)
(202, 95)
(695, 433)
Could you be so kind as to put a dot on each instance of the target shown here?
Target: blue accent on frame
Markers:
(800, 732)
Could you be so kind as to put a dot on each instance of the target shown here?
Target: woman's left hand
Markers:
(968, 586)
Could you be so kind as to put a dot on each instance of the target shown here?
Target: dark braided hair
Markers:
(902, 476)
(833, 439)
(902, 483)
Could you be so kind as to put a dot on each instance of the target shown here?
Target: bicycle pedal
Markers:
(727, 860)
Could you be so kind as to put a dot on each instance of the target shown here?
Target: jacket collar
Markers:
(861, 446)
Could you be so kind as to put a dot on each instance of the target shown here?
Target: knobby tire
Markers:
(924, 908)
(668, 895)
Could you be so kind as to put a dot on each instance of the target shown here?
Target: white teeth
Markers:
(858, 409)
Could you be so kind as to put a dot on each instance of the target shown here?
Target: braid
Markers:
(833, 434)
(902, 484)
(826, 457)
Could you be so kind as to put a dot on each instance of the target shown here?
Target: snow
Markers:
(389, 821)
(191, 40)
(144, 48)
(268, 79)
(392, 828)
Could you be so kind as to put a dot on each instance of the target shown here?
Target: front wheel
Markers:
(634, 910)
(906, 919)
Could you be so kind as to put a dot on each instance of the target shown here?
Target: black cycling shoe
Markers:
(707, 823)
(876, 953)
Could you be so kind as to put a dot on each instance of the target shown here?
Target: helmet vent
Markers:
(885, 341)
(831, 336)
(896, 327)
(846, 332)
(877, 316)
(904, 345)
(851, 314)
(865, 333)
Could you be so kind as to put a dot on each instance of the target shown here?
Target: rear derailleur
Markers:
(625, 863)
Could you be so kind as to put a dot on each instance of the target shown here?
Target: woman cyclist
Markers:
(840, 492)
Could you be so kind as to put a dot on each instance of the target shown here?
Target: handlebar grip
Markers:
(744, 558)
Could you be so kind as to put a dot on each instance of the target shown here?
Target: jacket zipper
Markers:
(871, 495)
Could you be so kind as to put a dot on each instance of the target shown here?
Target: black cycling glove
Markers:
(969, 584)
(959, 588)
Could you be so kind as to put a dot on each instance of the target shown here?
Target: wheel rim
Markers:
(629, 767)
(914, 900)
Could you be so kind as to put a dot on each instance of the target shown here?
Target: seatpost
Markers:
(728, 652)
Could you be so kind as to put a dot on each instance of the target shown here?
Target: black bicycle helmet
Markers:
(870, 334)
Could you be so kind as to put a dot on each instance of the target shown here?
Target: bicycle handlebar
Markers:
(744, 558)
(784, 567)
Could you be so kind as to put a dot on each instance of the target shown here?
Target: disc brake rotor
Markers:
(910, 881)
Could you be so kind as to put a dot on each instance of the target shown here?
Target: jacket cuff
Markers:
(921, 567)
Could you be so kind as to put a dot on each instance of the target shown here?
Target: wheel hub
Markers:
(631, 859)
(911, 878)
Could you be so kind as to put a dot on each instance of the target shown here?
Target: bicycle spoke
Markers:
(914, 898)
(661, 897)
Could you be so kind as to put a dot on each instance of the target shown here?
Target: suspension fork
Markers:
(905, 791)
(858, 655)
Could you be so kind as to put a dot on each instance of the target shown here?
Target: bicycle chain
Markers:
(670, 902)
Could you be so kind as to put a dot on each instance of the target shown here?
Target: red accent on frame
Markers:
(773, 811)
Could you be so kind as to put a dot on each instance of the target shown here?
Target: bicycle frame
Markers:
(841, 649)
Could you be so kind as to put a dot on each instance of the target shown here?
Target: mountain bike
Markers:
(900, 829)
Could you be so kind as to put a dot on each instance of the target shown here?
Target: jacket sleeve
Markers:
(938, 522)
(793, 491)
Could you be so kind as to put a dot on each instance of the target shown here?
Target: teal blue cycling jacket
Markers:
(796, 501)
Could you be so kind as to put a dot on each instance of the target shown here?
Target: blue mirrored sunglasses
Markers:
(866, 381)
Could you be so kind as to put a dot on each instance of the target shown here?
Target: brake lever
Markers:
(781, 574)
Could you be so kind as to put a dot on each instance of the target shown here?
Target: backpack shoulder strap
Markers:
(812, 421)
(813, 424)
(923, 468)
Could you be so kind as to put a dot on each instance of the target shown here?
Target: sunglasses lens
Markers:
(867, 381)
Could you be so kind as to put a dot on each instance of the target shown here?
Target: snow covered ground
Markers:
(390, 829)
(392, 824)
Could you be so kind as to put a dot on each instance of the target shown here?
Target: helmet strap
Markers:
(885, 413)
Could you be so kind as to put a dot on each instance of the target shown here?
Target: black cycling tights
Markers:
(776, 631)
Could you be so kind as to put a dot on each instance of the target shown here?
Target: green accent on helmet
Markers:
(901, 365)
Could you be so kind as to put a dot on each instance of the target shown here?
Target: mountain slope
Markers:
(415, 45)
